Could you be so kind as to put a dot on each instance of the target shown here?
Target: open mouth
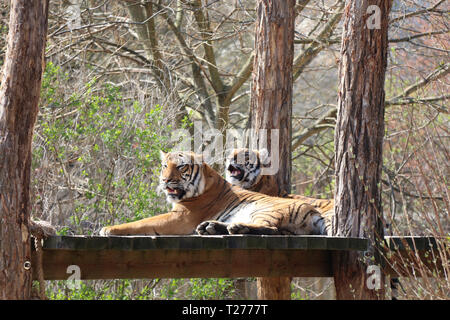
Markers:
(235, 172)
(174, 192)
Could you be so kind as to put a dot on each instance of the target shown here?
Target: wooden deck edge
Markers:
(146, 264)
(223, 256)
(196, 242)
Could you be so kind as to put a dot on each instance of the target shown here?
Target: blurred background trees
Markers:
(122, 75)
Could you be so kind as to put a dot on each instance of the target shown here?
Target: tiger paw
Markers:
(211, 228)
(238, 228)
(105, 231)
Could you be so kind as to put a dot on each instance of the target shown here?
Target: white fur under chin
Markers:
(232, 180)
(170, 199)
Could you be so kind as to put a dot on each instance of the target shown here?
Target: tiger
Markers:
(243, 167)
(203, 202)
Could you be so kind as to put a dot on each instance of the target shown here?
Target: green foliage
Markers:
(210, 288)
(105, 148)
(92, 290)
(298, 295)
(172, 289)
(100, 124)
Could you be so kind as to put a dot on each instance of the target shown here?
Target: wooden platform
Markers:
(229, 256)
(415, 256)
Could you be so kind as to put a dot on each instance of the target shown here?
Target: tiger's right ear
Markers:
(162, 155)
(198, 158)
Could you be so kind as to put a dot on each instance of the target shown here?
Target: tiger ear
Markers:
(263, 155)
(201, 159)
(197, 158)
(162, 155)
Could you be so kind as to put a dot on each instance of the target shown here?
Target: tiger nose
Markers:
(166, 180)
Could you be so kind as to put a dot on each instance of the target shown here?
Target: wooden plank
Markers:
(414, 256)
(222, 256)
(192, 256)
(196, 242)
(162, 263)
(411, 242)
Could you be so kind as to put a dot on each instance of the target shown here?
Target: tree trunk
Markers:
(358, 147)
(271, 102)
(19, 98)
(274, 288)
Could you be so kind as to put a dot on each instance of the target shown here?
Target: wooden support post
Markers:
(358, 147)
(274, 288)
(19, 98)
(271, 101)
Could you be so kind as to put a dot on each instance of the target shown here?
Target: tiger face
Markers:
(244, 167)
(181, 175)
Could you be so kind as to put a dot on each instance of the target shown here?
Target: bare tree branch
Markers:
(240, 79)
(419, 12)
(440, 72)
(419, 35)
(304, 58)
(205, 31)
(321, 124)
(325, 121)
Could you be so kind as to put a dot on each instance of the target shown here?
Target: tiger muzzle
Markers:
(175, 192)
(235, 172)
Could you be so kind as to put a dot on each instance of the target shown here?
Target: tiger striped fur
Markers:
(205, 203)
(244, 168)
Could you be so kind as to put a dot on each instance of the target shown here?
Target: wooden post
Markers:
(271, 101)
(19, 98)
(358, 147)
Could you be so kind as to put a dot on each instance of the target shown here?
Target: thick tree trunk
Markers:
(358, 146)
(271, 102)
(19, 98)
(274, 288)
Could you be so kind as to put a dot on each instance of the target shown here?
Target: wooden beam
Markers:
(192, 256)
(414, 256)
(230, 256)
(228, 263)
(196, 242)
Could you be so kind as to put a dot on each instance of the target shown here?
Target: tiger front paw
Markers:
(105, 231)
(211, 228)
(238, 228)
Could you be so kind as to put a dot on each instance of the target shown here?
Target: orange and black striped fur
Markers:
(244, 168)
(205, 203)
